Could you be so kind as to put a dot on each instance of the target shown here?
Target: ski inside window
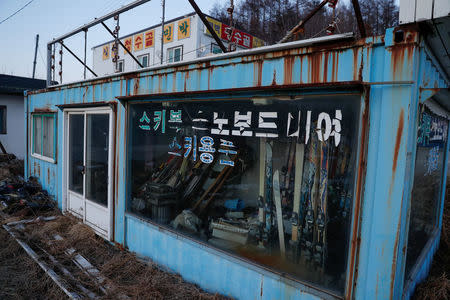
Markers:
(268, 180)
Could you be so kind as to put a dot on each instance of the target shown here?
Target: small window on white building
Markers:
(2, 119)
(175, 54)
(43, 144)
(120, 66)
(143, 59)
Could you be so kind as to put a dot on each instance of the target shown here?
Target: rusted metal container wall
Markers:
(392, 73)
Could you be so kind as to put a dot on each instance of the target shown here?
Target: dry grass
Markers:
(435, 288)
(126, 275)
(20, 276)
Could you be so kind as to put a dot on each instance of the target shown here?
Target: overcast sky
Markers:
(52, 18)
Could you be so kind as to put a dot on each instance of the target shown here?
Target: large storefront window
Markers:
(426, 193)
(269, 180)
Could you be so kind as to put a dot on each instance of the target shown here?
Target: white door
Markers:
(89, 172)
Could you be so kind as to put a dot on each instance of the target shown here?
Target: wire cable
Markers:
(16, 12)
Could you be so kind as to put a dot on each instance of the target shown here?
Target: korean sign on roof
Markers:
(237, 36)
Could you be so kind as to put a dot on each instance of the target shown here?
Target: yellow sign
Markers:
(168, 33)
(138, 41)
(216, 25)
(184, 28)
(105, 52)
(128, 42)
(257, 42)
(149, 38)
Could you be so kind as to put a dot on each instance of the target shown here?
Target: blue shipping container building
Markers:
(313, 169)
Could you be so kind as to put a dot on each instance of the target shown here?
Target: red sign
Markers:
(149, 38)
(240, 38)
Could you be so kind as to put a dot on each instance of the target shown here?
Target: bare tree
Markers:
(271, 19)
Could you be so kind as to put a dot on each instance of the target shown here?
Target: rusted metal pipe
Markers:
(163, 4)
(302, 22)
(359, 19)
(126, 49)
(85, 47)
(208, 26)
(77, 58)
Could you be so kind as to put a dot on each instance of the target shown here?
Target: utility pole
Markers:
(85, 45)
(35, 54)
(162, 30)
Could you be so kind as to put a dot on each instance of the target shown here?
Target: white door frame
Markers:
(65, 169)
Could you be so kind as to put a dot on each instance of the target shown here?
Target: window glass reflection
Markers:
(268, 180)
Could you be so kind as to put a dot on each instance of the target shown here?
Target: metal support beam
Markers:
(126, 49)
(100, 20)
(76, 57)
(359, 19)
(85, 46)
(208, 26)
(302, 22)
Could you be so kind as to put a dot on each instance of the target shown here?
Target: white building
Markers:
(185, 38)
(12, 131)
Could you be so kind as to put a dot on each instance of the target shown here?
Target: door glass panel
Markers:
(97, 143)
(48, 137)
(37, 135)
(76, 153)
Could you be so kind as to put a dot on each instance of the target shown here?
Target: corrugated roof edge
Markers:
(276, 47)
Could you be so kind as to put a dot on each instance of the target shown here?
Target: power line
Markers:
(16, 12)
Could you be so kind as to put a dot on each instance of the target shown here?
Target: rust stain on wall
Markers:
(315, 66)
(257, 71)
(398, 62)
(334, 63)
(301, 68)
(288, 66)
(325, 66)
(394, 259)
(186, 78)
(398, 140)
(136, 86)
(355, 63)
